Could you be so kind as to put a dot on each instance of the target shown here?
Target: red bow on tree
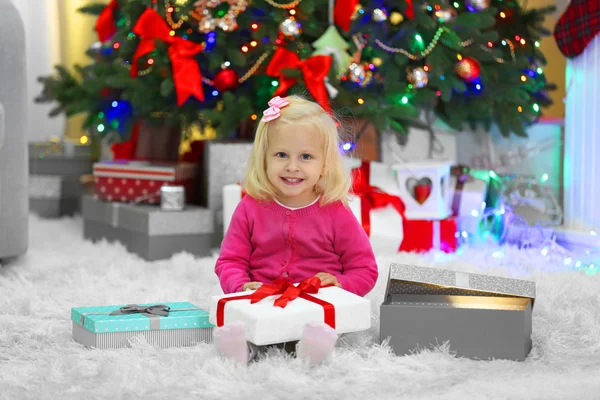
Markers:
(314, 71)
(371, 197)
(105, 25)
(186, 72)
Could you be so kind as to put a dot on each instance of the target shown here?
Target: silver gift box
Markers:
(481, 316)
(224, 163)
(54, 196)
(72, 160)
(147, 230)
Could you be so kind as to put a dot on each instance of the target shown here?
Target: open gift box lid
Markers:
(414, 281)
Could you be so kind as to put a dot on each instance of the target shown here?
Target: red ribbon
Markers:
(288, 293)
(186, 72)
(105, 24)
(126, 150)
(371, 197)
(314, 71)
(410, 9)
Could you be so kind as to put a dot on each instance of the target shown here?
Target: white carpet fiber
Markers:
(39, 359)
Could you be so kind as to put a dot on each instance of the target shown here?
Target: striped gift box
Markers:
(118, 326)
(139, 181)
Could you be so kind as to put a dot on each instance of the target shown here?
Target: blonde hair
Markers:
(335, 183)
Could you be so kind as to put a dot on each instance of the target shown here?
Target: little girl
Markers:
(294, 223)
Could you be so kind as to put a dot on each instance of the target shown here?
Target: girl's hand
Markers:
(328, 279)
(251, 286)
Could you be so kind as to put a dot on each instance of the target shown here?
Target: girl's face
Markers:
(295, 162)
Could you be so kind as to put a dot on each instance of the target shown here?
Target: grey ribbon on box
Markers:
(462, 280)
(153, 312)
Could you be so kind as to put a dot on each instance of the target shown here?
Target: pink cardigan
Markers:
(266, 241)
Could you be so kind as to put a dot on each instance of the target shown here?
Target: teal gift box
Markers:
(163, 325)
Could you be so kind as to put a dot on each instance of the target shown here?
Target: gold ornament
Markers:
(290, 27)
(360, 73)
(417, 77)
(379, 15)
(478, 4)
(445, 15)
(396, 18)
(377, 61)
(208, 23)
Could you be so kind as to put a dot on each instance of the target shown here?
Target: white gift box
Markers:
(267, 324)
(436, 175)
(232, 195)
(386, 227)
(472, 203)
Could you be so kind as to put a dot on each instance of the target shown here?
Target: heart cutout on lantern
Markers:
(419, 189)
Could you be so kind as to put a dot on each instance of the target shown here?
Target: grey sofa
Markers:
(14, 202)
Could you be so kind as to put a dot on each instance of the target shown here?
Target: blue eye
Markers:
(281, 154)
(306, 156)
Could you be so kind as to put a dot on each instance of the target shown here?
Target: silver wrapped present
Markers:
(224, 163)
(147, 230)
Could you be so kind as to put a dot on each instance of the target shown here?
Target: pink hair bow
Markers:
(274, 111)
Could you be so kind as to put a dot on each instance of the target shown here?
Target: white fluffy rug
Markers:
(39, 360)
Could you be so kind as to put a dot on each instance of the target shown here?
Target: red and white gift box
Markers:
(140, 181)
(270, 322)
(387, 226)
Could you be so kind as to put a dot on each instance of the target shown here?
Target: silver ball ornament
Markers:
(417, 77)
(379, 15)
(478, 4)
(290, 28)
(360, 74)
(445, 15)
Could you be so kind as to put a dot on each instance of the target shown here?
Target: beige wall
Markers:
(555, 69)
(76, 35)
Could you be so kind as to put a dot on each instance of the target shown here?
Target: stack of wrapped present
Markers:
(149, 207)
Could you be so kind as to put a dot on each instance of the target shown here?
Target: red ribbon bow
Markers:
(288, 293)
(314, 71)
(371, 197)
(186, 72)
(105, 24)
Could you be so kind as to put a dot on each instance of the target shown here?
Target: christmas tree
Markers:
(468, 62)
